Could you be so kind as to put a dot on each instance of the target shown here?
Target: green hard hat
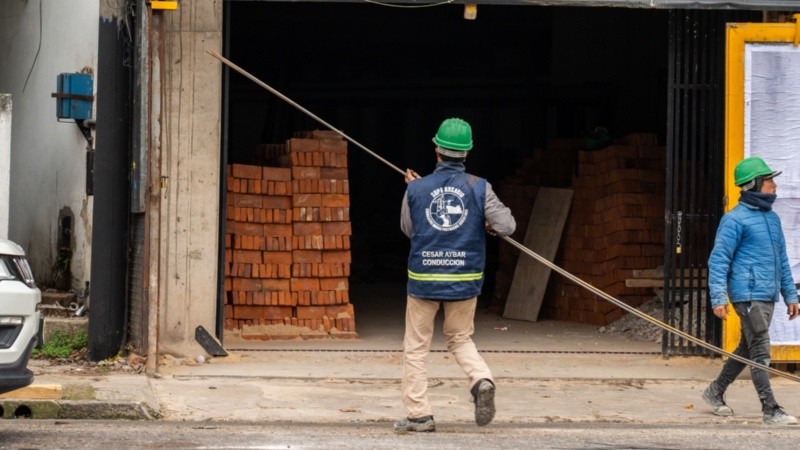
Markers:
(750, 168)
(454, 134)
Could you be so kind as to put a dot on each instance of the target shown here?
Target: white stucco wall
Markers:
(48, 158)
(5, 159)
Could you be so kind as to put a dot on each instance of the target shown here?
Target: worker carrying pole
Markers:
(668, 328)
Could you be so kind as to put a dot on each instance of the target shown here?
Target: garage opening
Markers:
(539, 85)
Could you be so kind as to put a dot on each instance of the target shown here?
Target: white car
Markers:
(19, 318)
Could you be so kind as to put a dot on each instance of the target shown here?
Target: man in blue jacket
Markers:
(749, 266)
(447, 214)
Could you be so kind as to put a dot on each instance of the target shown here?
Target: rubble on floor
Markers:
(640, 329)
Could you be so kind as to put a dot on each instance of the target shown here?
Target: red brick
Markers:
(333, 145)
(306, 214)
(335, 214)
(333, 284)
(330, 159)
(275, 202)
(275, 284)
(299, 173)
(308, 242)
(277, 230)
(335, 200)
(308, 256)
(276, 173)
(332, 173)
(307, 228)
(283, 188)
(337, 228)
(334, 257)
(332, 270)
(342, 297)
(304, 284)
(244, 200)
(301, 200)
(262, 312)
(277, 257)
(322, 134)
(339, 186)
(303, 298)
(243, 171)
(261, 284)
(301, 270)
(302, 145)
(310, 312)
(245, 256)
(278, 243)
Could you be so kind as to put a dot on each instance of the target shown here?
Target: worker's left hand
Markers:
(793, 310)
(411, 176)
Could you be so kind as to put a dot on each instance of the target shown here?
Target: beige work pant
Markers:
(459, 324)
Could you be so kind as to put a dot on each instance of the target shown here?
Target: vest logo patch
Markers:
(446, 211)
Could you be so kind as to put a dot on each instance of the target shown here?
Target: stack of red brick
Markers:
(615, 225)
(553, 167)
(288, 243)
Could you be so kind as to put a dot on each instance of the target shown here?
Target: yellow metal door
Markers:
(762, 60)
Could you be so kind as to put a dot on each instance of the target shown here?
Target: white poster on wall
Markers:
(772, 132)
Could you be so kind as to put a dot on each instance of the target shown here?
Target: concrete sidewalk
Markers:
(332, 387)
(545, 373)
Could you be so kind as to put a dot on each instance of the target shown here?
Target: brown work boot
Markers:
(423, 424)
(483, 397)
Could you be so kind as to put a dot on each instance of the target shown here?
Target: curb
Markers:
(76, 409)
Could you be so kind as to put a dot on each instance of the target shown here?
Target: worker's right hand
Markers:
(489, 229)
(411, 176)
(721, 311)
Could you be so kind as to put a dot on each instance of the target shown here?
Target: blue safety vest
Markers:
(448, 245)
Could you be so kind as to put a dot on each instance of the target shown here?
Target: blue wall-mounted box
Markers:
(74, 96)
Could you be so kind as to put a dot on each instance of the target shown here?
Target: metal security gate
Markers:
(695, 164)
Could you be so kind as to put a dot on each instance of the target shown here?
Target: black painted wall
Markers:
(110, 217)
(521, 75)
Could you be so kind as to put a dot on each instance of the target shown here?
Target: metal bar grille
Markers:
(137, 309)
(695, 164)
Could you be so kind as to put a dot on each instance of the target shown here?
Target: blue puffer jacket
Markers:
(749, 260)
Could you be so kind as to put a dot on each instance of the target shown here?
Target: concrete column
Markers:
(5, 161)
(189, 161)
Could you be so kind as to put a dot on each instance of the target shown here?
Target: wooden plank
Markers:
(659, 273)
(644, 282)
(658, 282)
(36, 391)
(545, 226)
(648, 273)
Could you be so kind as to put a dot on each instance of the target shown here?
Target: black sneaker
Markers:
(483, 397)
(714, 398)
(422, 424)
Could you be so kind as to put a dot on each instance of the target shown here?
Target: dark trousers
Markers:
(755, 318)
